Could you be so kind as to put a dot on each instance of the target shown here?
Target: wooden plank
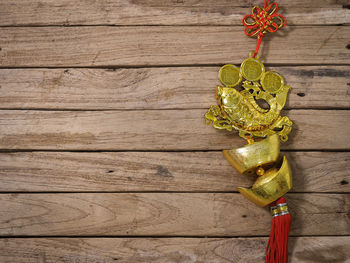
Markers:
(156, 130)
(165, 214)
(158, 88)
(158, 171)
(160, 12)
(162, 45)
(160, 250)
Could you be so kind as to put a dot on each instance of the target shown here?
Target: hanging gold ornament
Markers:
(237, 108)
(250, 101)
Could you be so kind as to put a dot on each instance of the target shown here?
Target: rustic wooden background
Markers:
(104, 154)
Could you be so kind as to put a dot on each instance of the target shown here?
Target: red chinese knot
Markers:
(263, 20)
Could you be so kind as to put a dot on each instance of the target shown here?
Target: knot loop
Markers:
(263, 20)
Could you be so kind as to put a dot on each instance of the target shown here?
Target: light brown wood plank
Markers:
(158, 88)
(168, 250)
(159, 171)
(161, 45)
(162, 12)
(165, 214)
(156, 130)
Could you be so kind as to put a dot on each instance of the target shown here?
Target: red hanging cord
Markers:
(261, 21)
(266, 3)
(264, 20)
(257, 46)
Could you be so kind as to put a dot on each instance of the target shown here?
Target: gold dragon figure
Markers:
(238, 101)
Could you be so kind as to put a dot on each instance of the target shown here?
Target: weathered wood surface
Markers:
(163, 12)
(158, 88)
(168, 250)
(165, 214)
(156, 130)
(159, 171)
(166, 45)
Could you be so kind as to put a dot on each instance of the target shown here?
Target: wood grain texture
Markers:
(156, 130)
(162, 12)
(165, 214)
(168, 250)
(166, 45)
(159, 171)
(158, 88)
(135, 77)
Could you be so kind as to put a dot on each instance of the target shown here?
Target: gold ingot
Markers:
(270, 186)
(246, 159)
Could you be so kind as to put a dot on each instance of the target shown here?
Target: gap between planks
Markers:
(265, 237)
(195, 65)
(157, 25)
(167, 109)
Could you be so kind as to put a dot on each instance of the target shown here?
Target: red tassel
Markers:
(277, 248)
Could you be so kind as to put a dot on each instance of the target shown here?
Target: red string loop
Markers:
(263, 20)
(266, 3)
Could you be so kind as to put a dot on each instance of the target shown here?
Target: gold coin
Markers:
(230, 75)
(272, 82)
(252, 69)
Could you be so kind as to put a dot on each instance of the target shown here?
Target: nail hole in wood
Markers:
(301, 94)
(348, 46)
(110, 171)
(344, 182)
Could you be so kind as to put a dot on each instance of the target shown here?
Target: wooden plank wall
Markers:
(104, 156)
